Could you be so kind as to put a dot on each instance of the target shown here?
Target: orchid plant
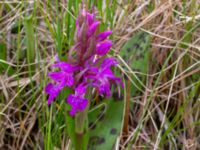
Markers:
(86, 71)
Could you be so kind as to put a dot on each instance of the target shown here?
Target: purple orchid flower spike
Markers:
(87, 65)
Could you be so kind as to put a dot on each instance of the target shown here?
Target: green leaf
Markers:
(136, 53)
(105, 124)
(30, 42)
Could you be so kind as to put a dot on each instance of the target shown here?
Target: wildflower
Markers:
(86, 66)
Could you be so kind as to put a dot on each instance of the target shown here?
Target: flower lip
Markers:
(77, 100)
(77, 103)
(53, 91)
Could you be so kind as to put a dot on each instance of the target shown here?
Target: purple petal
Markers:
(50, 99)
(66, 79)
(105, 88)
(66, 66)
(108, 62)
(102, 36)
(103, 48)
(72, 112)
(77, 103)
(49, 87)
(57, 76)
(70, 101)
(93, 28)
(81, 89)
(92, 74)
(90, 18)
(109, 74)
(53, 92)
(69, 81)
(83, 104)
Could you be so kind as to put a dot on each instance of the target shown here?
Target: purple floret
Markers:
(101, 76)
(77, 100)
(63, 78)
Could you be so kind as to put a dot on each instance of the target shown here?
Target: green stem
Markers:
(80, 119)
(79, 142)
(81, 130)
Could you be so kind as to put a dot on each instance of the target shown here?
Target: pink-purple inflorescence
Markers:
(87, 65)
